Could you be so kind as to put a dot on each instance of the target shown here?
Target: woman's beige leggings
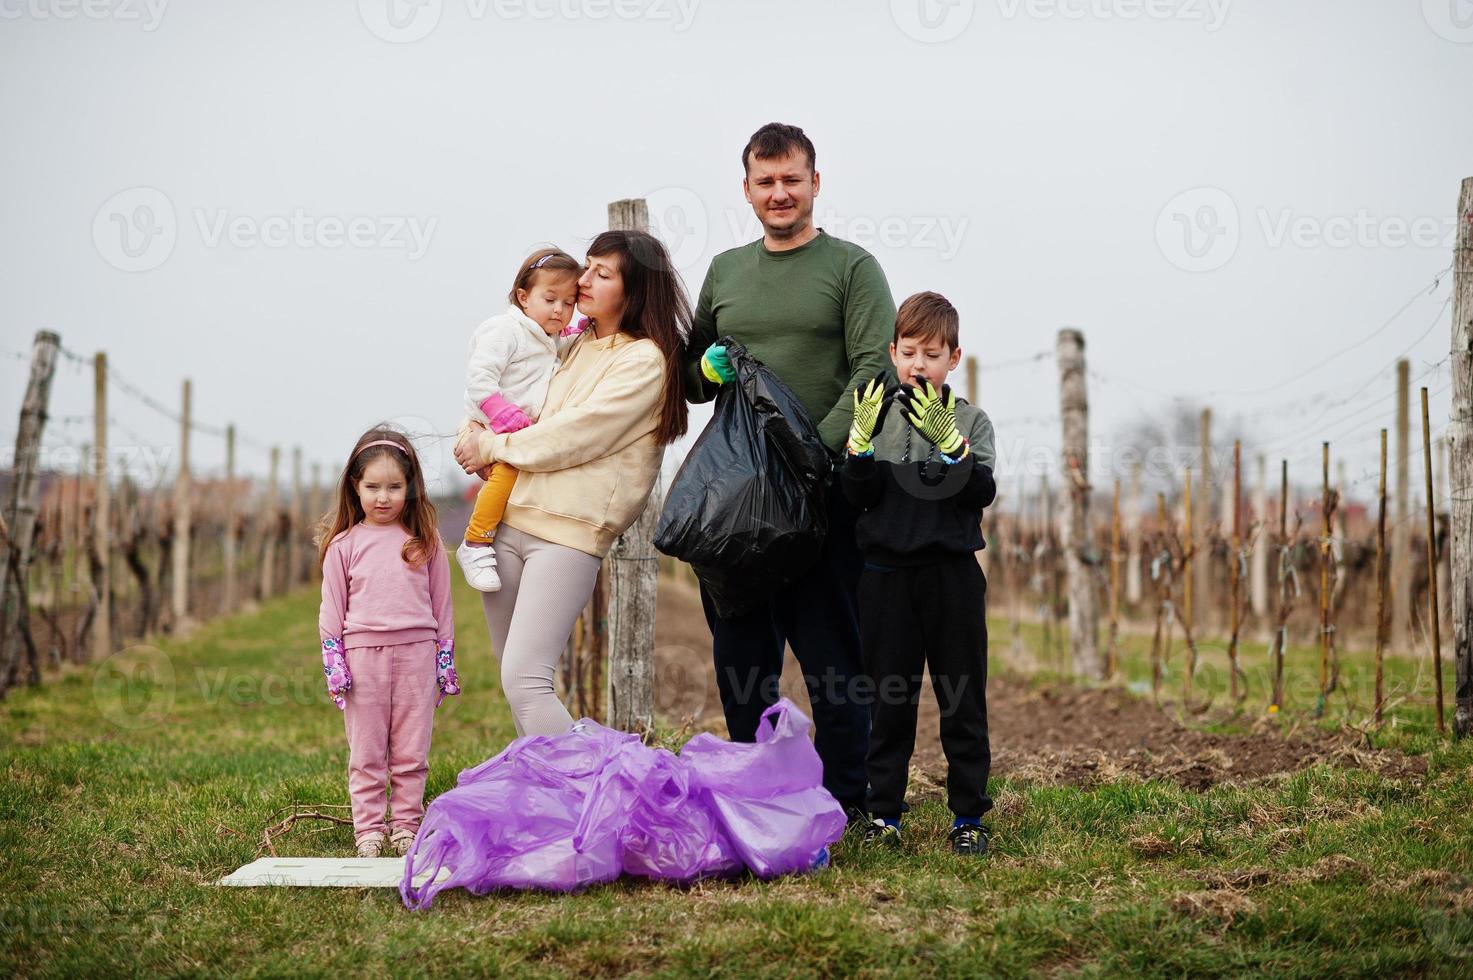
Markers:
(544, 586)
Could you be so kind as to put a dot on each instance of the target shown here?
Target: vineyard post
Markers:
(20, 510)
(1381, 585)
(183, 504)
(1434, 624)
(1401, 528)
(102, 640)
(1079, 559)
(1460, 497)
(268, 524)
(232, 581)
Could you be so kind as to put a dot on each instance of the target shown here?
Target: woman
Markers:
(587, 465)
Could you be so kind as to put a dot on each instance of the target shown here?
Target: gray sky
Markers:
(307, 208)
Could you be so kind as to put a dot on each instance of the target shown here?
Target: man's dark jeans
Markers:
(818, 615)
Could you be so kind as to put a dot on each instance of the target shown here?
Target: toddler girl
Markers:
(512, 357)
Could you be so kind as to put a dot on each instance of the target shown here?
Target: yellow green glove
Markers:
(716, 365)
(933, 415)
(870, 405)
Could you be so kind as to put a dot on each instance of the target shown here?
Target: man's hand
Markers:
(716, 365)
(870, 405)
(933, 415)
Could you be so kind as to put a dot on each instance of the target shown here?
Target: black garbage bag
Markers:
(747, 510)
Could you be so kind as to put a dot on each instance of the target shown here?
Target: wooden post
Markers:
(294, 523)
(1258, 562)
(971, 363)
(20, 512)
(1460, 455)
(1381, 586)
(1188, 593)
(314, 514)
(183, 516)
(1201, 539)
(632, 571)
(1281, 627)
(1401, 528)
(101, 543)
(1111, 653)
(268, 526)
(1133, 590)
(1434, 621)
(232, 572)
(1079, 556)
(1325, 510)
(1235, 578)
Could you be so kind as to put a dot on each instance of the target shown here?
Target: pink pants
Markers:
(388, 715)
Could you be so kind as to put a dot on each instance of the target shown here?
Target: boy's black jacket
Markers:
(916, 509)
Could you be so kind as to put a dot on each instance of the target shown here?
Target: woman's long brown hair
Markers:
(655, 306)
(418, 516)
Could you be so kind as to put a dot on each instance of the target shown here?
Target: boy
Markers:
(921, 483)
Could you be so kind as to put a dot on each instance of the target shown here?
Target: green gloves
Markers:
(870, 405)
(933, 415)
(716, 366)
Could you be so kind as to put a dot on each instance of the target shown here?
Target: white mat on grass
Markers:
(323, 873)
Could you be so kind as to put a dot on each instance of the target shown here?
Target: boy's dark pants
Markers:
(817, 615)
(935, 616)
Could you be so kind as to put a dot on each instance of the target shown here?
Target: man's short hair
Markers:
(777, 140)
(928, 316)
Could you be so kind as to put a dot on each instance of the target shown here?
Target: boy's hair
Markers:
(928, 316)
(553, 260)
(777, 140)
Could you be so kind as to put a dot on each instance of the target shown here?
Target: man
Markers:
(817, 311)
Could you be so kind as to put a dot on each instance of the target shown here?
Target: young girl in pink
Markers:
(388, 633)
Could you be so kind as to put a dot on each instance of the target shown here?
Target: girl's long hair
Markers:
(418, 516)
(655, 306)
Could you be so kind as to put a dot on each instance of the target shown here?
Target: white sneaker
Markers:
(371, 846)
(478, 562)
(400, 840)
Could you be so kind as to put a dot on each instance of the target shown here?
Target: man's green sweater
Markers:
(820, 315)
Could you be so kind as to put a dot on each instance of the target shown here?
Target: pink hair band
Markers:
(386, 442)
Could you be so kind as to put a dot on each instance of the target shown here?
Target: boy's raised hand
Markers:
(870, 405)
(933, 415)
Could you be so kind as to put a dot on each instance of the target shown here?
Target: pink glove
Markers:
(503, 415)
(335, 666)
(574, 329)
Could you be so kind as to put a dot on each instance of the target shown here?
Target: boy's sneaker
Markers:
(371, 846)
(400, 841)
(969, 839)
(882, 834)
(478, 563)
(856, 820)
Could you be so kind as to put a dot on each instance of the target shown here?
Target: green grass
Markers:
(127, 790)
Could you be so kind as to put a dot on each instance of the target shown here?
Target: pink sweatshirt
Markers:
(372, 597)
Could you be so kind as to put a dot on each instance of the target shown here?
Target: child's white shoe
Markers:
(400, 840)
(478, 563)
(371, 846)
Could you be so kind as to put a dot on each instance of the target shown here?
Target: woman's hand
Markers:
(468, 448)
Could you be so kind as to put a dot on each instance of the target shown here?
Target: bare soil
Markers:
(1056, 734)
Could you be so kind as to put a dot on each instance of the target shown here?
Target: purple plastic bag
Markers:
(561, 812)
